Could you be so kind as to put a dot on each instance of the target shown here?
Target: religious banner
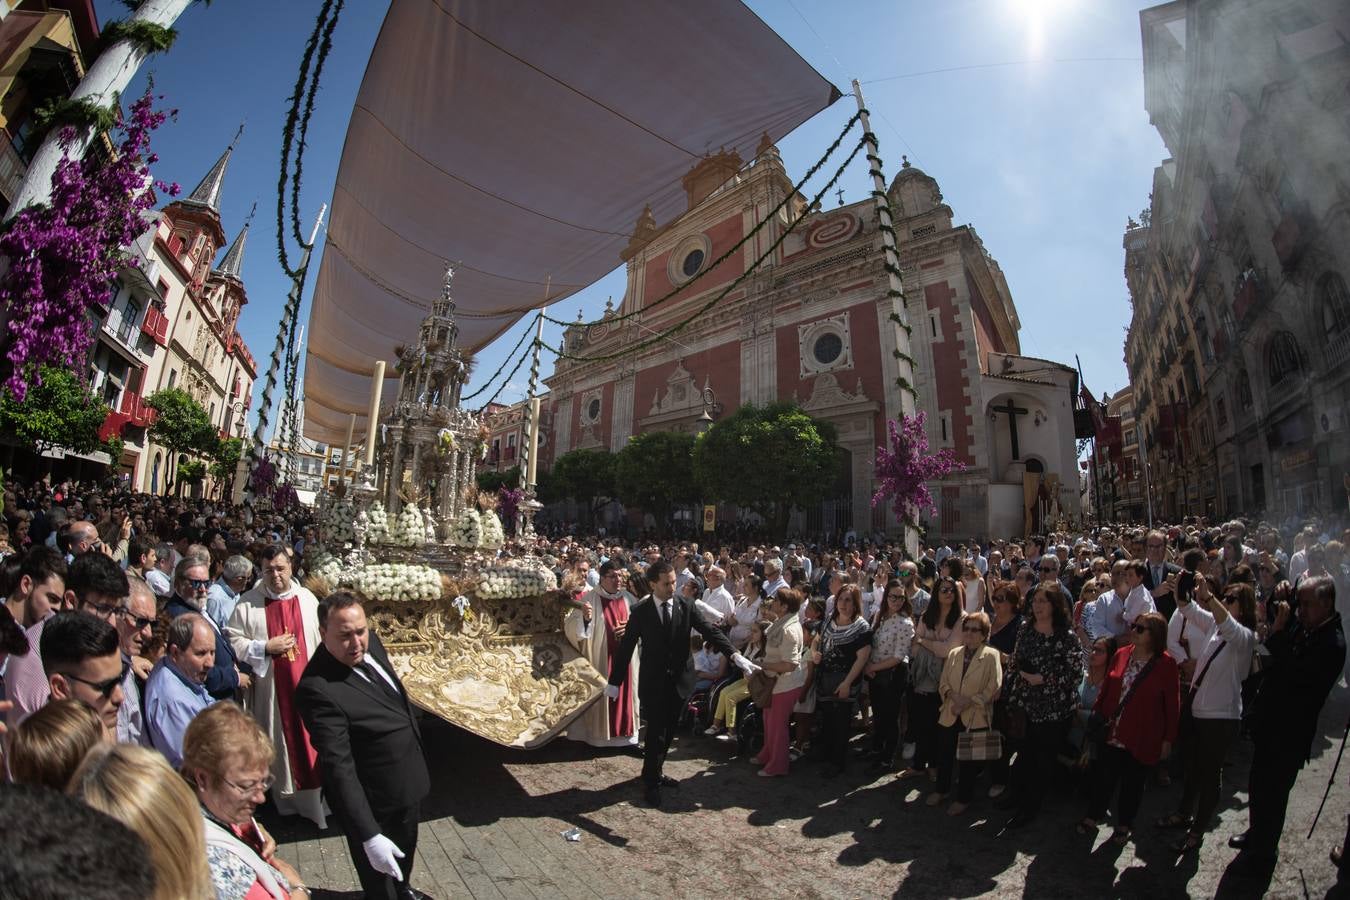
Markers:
(709, 517)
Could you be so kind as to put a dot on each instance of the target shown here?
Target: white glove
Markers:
(612, 691)
(744, 664)
(384, 856)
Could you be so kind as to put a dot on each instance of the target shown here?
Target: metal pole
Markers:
(291, 309)
(900, 333)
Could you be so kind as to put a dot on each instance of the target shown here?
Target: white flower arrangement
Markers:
(328, 567)
(337, 523)
(468, 529)
(399, 583)
(409, 529)
(491, 534)
(378, 529)
(516, 579)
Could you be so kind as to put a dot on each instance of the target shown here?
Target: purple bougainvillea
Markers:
(64, 257)
(508, 502)
(904, 468)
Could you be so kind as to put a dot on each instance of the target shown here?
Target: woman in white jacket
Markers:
(1225, 629)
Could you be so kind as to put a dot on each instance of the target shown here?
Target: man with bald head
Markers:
(176, 690)
(134, 623)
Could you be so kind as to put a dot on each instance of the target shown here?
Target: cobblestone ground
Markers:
(492, 828)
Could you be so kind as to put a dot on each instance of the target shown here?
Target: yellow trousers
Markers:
(727, 701)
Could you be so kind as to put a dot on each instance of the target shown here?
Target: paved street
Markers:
(492, 829)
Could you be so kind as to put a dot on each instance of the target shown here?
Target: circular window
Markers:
(693, 261)
(593, 410)
(827, 348)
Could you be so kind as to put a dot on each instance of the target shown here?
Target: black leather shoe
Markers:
(654, 797)
(667, 781)
(1238, 841)
(1021, 820)
(410, 893)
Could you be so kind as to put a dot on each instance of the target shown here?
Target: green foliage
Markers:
(492, 481)
(113, 446)
(58, 112)
(655, 471)
(768, 458)
(182, 425)
(192, 471)
(586, 476)
(59, 412)
(147, 36)
(225, 458)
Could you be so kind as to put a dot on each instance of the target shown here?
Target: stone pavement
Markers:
(491, 828)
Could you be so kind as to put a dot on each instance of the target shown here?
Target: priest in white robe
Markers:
(595, 632)
(275, 628)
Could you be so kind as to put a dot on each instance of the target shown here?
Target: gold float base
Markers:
(504, 671)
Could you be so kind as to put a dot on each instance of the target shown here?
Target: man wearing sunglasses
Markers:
(191, 581)
(134, 622)
(81, 657)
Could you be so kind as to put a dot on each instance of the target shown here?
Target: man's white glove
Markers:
(612, 691)
(384, 855)
(744, 664)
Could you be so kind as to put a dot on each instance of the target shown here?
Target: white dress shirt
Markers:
(1220, 693)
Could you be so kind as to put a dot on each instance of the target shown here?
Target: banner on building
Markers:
(709, 517)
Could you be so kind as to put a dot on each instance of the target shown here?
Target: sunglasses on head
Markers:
(1139, 629)
(103, 688)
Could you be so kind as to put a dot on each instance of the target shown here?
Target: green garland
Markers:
(750, 270)
(146, 36)
(763, 223)
(519, 362)
(486, 384)
(83, 114)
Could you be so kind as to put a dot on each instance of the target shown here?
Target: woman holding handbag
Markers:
(1214, 705)
(971, 678)
(1045, 671)
(1137, 711)
(840, 655)
(782, 661)
(937, 634)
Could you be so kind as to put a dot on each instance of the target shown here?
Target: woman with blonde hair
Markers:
(136, 786)
(227, 761)
(47, 747)
(971, 677)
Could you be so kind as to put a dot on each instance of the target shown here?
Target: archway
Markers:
(154, 475)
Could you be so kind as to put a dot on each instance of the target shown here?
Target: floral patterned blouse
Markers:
(1058, 658)
(892, 638)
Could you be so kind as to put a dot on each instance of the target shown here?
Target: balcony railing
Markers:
(156, 326)
(134, 408)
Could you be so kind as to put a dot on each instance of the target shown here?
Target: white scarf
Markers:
(291, 591)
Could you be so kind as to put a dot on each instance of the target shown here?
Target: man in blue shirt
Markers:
(176, 689)
(224, 593)
(190, 583)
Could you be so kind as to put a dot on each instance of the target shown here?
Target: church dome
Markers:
(913, 191)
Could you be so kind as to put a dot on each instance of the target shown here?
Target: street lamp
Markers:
(711, 410)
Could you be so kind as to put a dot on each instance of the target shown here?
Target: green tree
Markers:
(181, 426)
(586, 476)
(655, 471)
(769, 459)
(491, 481)
(192, 471)
(225, 461)
(60, 412)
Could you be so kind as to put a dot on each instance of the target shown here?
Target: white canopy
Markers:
(521, 140)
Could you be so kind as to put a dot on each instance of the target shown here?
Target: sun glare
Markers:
(1036, 17)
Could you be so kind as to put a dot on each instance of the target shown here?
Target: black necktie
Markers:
(665, 614)
(377, 679)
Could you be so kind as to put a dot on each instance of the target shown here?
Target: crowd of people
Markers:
(166, 668)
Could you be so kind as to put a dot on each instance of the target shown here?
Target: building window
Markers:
(828, 347)
(1282, 357)
(173, 377)
(593, 409)
(1334, 300)
(693, 261)
(1221, 412)
(688, 258)
(825, 345)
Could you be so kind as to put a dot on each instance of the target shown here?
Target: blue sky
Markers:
(1045, 157)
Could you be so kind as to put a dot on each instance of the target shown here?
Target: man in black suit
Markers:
(666, 676)
(369, 746)
(1158, 571)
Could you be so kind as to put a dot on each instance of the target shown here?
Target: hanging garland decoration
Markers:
(763, 223)
(146, 36)
(81, 114)
(892, 267)
(488, 383)
(519, 362)
(750, 270)
(306, 87)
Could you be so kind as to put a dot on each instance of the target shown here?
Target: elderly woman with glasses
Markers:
(971, 678)
(1044, 672)
(1138, 708)
(227, 761)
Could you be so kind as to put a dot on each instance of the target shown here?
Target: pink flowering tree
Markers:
(904, 468)
(64, 256)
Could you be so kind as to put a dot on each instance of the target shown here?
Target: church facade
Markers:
(812, 326)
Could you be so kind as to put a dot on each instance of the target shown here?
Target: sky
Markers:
(1029, 113)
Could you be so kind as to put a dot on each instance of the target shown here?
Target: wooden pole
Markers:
(346, 445)
(372, 417)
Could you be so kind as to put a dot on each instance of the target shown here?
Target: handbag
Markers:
(827, 685)
(1188, 697)
(925, 671)
(1099, 726)
(761, 689)
(983, 745)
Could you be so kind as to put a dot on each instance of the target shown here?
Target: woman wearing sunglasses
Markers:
(971, 678)
(1138, 709)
